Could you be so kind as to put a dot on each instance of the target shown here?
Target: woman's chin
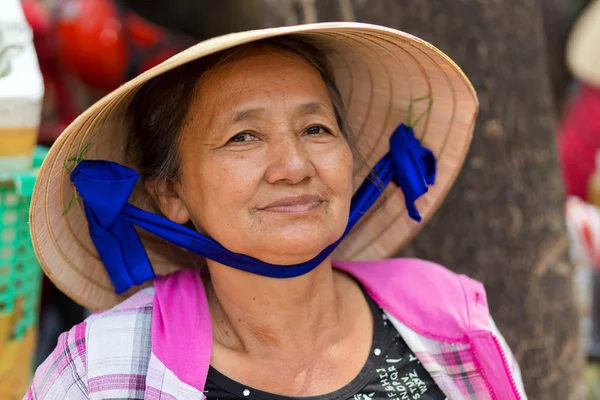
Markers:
(289, 255)
(285, 246)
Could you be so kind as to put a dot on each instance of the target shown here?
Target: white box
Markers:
(21, 89)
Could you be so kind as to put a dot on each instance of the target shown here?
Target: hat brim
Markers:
(379, 72)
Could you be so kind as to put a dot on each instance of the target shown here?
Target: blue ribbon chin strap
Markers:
(105, 188)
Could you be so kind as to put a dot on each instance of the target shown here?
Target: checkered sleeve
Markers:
(63, 375)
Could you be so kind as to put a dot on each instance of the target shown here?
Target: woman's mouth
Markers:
(294, 204)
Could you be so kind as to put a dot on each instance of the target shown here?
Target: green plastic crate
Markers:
(20, 272)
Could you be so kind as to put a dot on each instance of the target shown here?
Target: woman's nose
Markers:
(290, 161)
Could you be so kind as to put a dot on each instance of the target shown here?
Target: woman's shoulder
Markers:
(412, 275)
(139, 304)
(106, 332)
(87, 357)
(443, 316)
(423, 294)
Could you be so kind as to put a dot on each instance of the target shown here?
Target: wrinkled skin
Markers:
(261, 129)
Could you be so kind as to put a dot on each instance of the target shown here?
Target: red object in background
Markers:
(37, 16)
(579, 140)
(91, 42)
(105, 45)
(99, 42)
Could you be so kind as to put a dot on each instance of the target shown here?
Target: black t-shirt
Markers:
(392, 372)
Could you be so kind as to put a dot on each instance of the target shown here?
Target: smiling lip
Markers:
(295, 204)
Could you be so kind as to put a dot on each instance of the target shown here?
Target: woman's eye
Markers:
(316, 130)
(241, 138)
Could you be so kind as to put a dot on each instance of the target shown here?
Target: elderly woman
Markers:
(208, 196)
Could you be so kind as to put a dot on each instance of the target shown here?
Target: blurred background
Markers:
(523, 217)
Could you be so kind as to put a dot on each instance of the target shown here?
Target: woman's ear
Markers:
(168, 200)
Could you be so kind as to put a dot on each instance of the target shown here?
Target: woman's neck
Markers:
(254, 314)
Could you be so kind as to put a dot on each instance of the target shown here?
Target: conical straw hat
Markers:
(379, 72)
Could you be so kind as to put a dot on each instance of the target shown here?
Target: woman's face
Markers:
(265, 170)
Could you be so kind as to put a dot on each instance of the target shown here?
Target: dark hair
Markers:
(159, 109)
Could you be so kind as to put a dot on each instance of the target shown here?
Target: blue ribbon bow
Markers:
(414, 167)
(105, 188)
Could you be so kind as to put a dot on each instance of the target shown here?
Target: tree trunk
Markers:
(201, 19)
(503, 221)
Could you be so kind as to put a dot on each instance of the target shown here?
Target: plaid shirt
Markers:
(111, 356)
